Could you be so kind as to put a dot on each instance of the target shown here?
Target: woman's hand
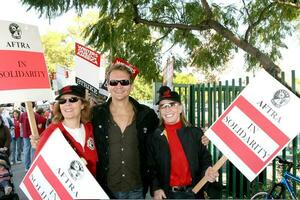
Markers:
(34, 141)
(211, 174)
(204, 140)
(159, 194)
(83, 160)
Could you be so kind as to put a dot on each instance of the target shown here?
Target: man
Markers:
(121, 128)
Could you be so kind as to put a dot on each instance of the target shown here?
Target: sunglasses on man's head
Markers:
(70, 100)
(116, 82)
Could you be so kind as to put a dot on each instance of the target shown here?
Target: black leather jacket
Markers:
(159, 159)
(146, 122)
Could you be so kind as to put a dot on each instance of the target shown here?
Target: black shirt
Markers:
(124, 163)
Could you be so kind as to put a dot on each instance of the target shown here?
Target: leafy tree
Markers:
(57, 50)
(210, 33)
(181, 78)
(142, 90)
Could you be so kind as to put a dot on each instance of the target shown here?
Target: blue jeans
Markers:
(28, 153)
(15, 147)
(132, 194)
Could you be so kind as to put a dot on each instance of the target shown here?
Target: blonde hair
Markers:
(84, 117)
(121, 67)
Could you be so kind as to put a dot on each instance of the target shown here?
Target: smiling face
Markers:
(170, 111)
(70, 109)
(119, 92)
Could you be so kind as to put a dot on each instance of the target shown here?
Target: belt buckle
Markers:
(177, 189)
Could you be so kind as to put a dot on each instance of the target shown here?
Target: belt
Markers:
(179, 188)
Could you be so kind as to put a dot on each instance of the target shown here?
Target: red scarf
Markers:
(180, 170)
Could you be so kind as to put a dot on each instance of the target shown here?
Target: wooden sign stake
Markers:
(204, 180)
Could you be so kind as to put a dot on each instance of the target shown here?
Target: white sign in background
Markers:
(21, 56)
(87, 67)
(51, 178)
(257, 125)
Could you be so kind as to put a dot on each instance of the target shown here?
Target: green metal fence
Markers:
(203, 103)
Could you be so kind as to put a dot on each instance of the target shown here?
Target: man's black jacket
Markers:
(146, 122)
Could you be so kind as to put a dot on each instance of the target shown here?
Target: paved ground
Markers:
(18, 172)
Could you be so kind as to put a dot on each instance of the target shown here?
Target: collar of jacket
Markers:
(136, 105)
(163, 131)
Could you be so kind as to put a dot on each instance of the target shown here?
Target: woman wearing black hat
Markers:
(72, 116)
(177, 158)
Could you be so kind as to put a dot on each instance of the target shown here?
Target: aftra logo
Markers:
(76, 170)
(280, 98)
(15, 31)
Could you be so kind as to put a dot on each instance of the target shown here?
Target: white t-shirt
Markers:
(77, 133)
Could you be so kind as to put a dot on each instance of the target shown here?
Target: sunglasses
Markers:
(167, 105)
(70, 100)
(116, 82)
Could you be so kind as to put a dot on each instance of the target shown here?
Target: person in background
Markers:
(16, 139)
(26, 133)
(121, 127)
(4, 137)
(5, 177)
(176, 156)
(51, 114)
(6, 119)
(72, 117)
(41, 120)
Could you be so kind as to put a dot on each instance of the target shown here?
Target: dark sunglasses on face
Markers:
(70, 100)
(167, 105)
(116, 82)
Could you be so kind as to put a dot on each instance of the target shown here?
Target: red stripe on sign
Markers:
(237, 146)
(87, 54)
(28, 183)
(23, 70)
(31, 189)
(50, 177)
(265, 124)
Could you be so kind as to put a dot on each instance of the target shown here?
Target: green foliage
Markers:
(210, 33)
(57, 50)
(133, 42)
(142, 91)
(181, 78)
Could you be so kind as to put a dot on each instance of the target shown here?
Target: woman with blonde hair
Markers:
(176, 156)
(72, 117)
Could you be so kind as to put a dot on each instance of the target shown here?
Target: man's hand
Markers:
(159, 194)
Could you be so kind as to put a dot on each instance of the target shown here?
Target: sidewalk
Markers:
(18, 172)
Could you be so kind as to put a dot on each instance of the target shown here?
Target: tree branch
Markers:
(137, 19)
(207, 9)
(261, 17)
(265, 61)
(293, 4)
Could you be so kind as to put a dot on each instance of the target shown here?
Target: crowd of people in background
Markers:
(15, 118)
